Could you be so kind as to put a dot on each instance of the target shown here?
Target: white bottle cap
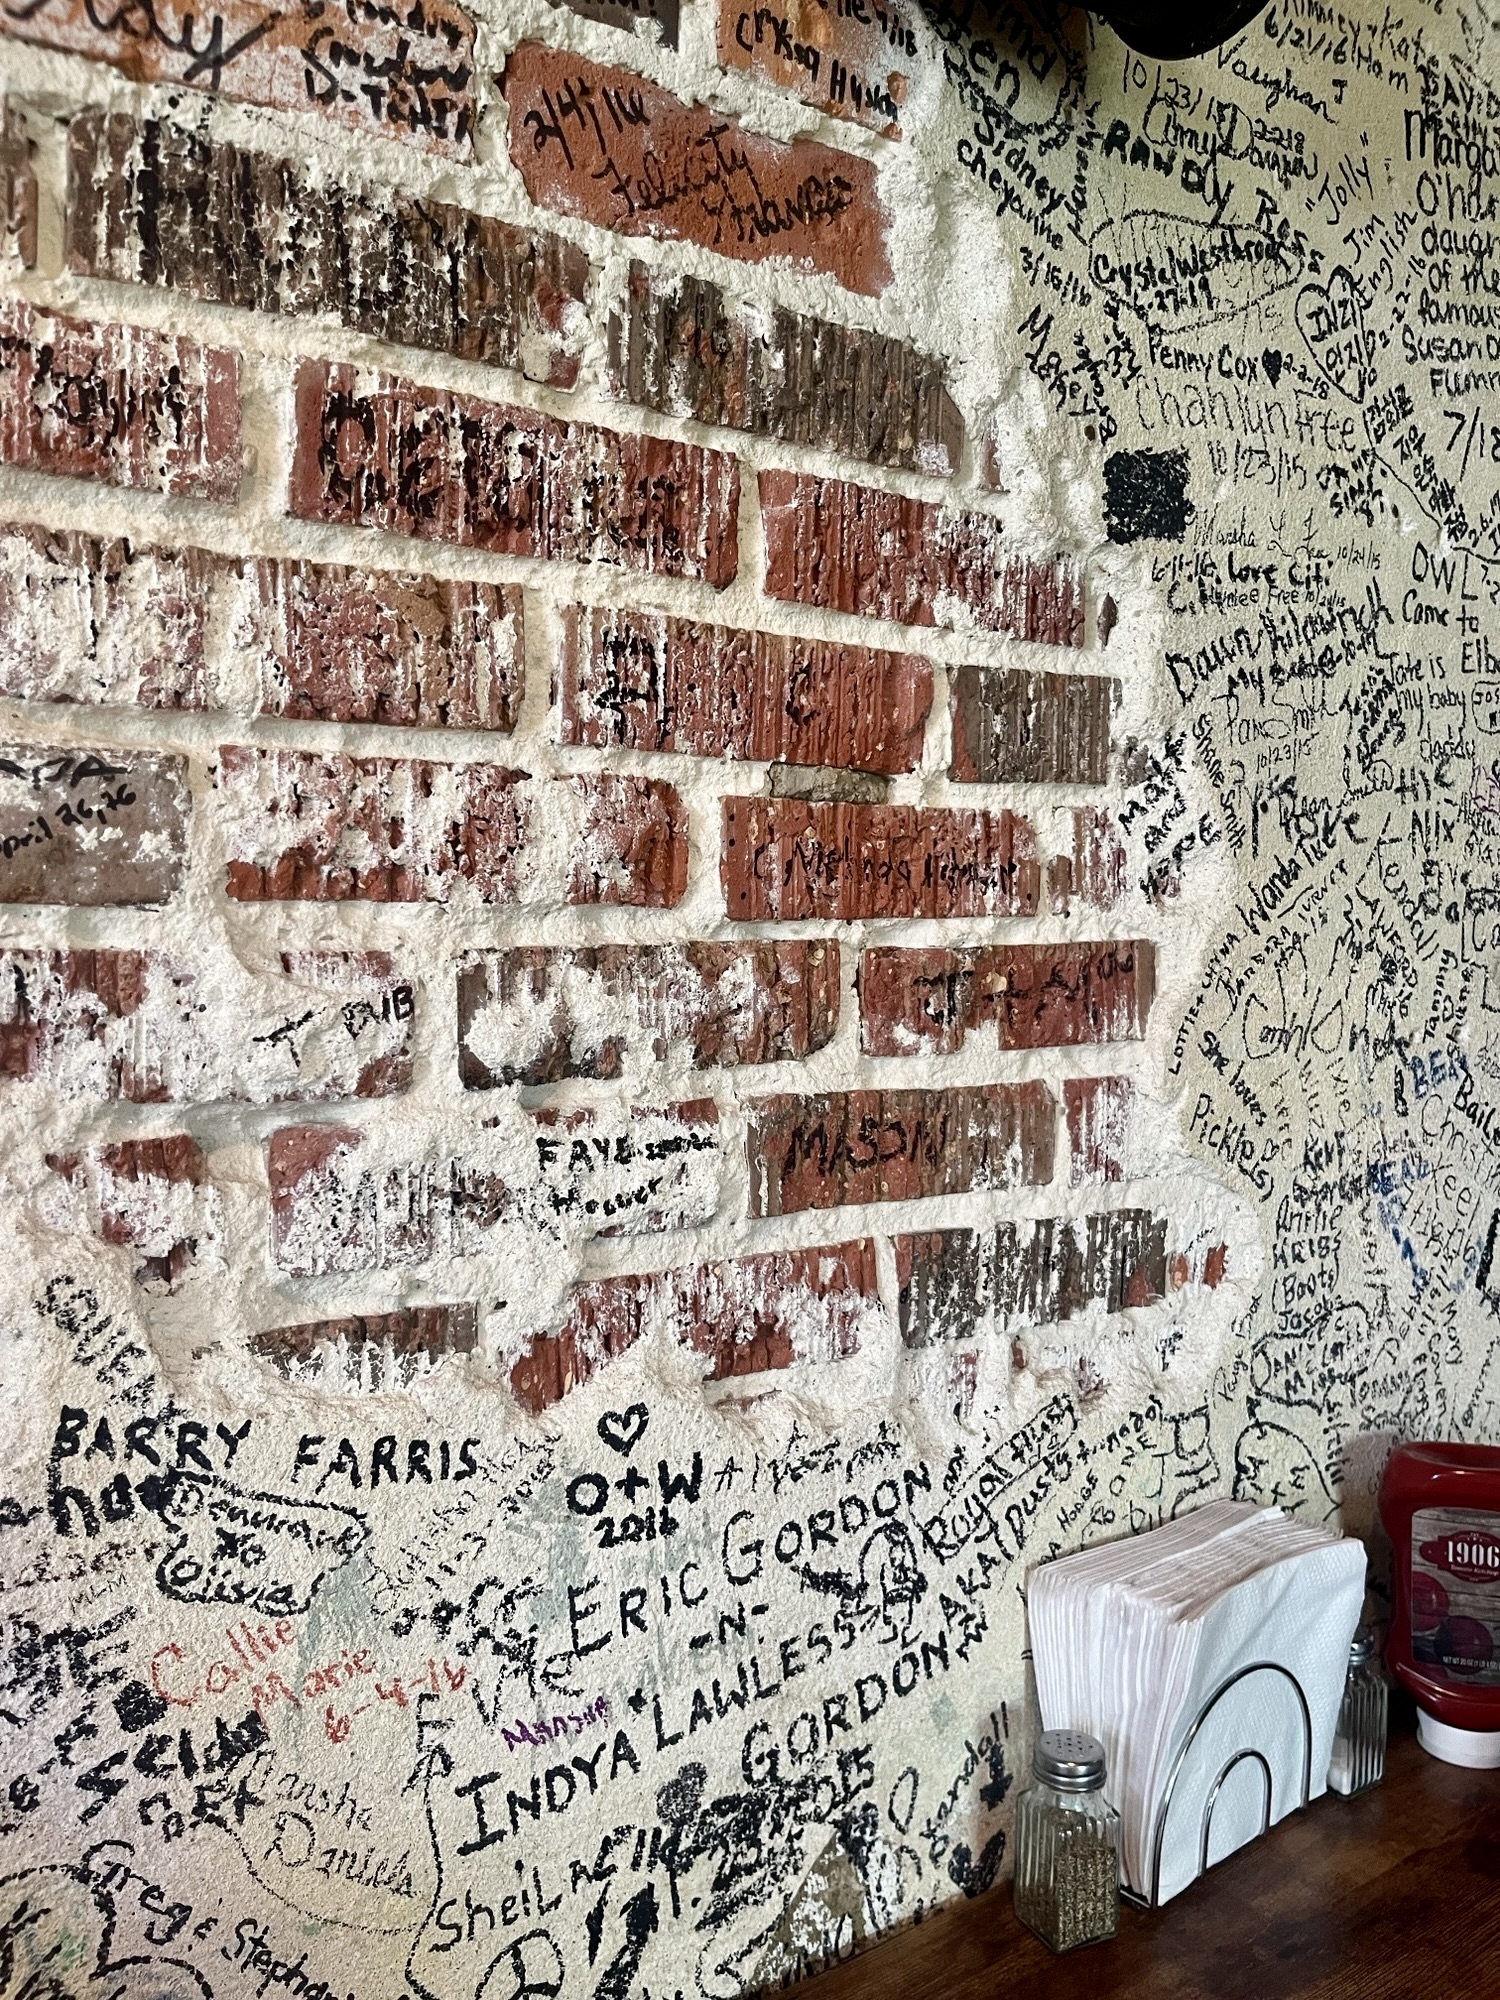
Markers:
(1476, 1749)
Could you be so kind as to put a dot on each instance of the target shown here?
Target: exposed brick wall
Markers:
(571, 859)
(677, 346)
(151, 204)
(559, 884)
(121, 404)
(407, 75)
(649, 165)
(648, 682)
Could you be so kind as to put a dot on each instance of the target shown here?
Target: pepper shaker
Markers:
(1067, 1881)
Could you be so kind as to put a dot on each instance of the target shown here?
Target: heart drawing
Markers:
(622, 1430)
(1330, 319)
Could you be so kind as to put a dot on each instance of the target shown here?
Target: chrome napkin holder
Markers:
(1246, 1754)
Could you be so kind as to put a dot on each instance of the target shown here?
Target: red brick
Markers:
(91, 827)
(87, 619)
(329, 1212)
(156, 1029)
(945, 1284)
(537, 1014)
(1095, 872)
(152, 1196)
(786, 859)
(93, 620)
(1205, 1265)
(643, 681)
(305, 827)
(387, 1350)
(633, 844)
(1021, 728)
(625, 14)
(749, 1315)
(403, 72)
(677, 346)
(155, 204)
(392, 647)
(338, 1204)
(119, 404)
(658, 167)
(924, 1000)
(896, 1145)
(1099, 1110)
(852, 548)
(958, 1284)
(1050, 1271)
(373, 451)
(846, 62)
(18, 189)
(301, 826)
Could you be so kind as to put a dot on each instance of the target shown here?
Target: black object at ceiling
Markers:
(1165, 30)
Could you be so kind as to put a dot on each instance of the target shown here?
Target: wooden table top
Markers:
(1392, 1896)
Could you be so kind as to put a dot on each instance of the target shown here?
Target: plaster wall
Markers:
(584, 1198)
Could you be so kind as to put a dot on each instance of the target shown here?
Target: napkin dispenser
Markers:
(1209, 1657)
(1217, 1798)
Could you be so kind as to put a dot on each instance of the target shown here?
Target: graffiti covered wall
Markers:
(747, 826)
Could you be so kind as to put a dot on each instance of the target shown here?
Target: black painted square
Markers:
(1145, 496)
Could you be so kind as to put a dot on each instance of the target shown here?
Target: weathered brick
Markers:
(393, 647)
(1098, 1110)
(842, 60)
(155, 204)
(155, 1029)
(305, 826)
(405, 72)
(537, 1014)
(18, 189)
(1049, 1271)
(148, 1195)
(376, 452)
(1014, 728)
(119, 404)
(945, 1284)
(340, 1205)
(633, 844)
(853, 548)
(748, 1315)
(924, 1000)
(1206, 1265)
(91, 827)
(85, 619)
(958, 1284)
(676, 346)
(896, 1145)
(1095, 872)
(327, 828)
(659, 167)
(625, 13)
(387, 1350)
(644, 681)
(785, 859)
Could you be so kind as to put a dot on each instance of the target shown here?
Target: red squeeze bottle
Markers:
(1441, 1507)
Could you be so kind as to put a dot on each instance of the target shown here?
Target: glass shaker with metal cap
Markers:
(1067, 1882)
(1358, 1759)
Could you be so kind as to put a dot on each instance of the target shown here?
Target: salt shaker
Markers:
(1067, 1883)
(1358, 1759)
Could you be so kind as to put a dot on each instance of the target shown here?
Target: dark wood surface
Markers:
(1392, 1896)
